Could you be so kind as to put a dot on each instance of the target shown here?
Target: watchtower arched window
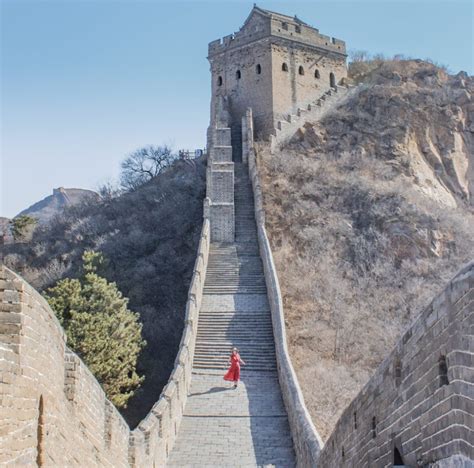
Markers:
(284, 26)
(298, 29)
(219, 81)
(317, 74)
(258, 69)
(284, 67)
(443, 371)
(300, 70)
(397, 458)
(398, 372)
(332, 80)
(238, 75)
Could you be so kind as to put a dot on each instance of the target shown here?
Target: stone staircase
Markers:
(313, 111)
(247, 426)
(236, 269)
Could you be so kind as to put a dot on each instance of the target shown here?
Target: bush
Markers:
(22, 227)
(100, 328)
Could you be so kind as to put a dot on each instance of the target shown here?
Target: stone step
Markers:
(223, 363)
(216, 274)
(267, 345)
(222, 338)
(232, 327)
(255, 368)
(235, 285)
(250, 270)
(234, 275)
(219, 334)
(250, 267)
(220, 290)
(264, 332)
(233, 268)
(245, 350)
(223, 359)
(263, 320)
(233, 282)
(224, 342)
(234, 289)
(226, 316)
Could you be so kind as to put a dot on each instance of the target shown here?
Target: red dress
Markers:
(233, 373)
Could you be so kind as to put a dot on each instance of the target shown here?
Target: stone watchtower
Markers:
(273, 65)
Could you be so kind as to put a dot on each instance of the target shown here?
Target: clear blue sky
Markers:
(83, 83)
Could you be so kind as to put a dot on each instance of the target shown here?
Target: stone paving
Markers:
(222, 426)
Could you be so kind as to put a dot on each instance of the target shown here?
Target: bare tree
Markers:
(108, 191)
(144, 164)
(358, 56)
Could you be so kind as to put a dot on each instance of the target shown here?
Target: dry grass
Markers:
(360, 249)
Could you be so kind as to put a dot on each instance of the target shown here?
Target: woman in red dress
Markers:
(233, 374)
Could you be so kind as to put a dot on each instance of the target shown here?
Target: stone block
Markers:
(222, 137)
(221, 154)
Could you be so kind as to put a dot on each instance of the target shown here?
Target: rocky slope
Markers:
(370, 212)
(4, 224)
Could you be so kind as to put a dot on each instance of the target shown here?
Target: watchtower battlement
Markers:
(279, 26)
(274, 64)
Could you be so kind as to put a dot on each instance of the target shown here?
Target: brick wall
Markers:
(420, 402)
(243, 84)
(54, 412)
(292, 89)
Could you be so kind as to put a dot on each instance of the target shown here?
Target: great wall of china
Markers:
(417, 410)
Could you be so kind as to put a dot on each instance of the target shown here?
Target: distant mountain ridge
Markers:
(50, 206)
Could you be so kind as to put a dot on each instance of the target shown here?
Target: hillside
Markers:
(54, 204)
(369, 212)
(3, 224)
(150, 238)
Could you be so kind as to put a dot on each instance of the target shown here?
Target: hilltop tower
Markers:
(273, 64)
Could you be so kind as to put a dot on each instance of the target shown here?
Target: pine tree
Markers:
(22, 227)
(100, 328)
